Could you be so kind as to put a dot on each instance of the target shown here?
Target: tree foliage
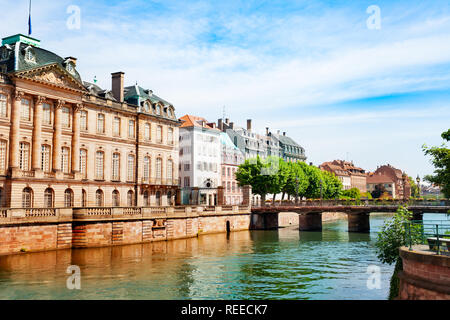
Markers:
(273, 175)
(441, 161)
(414, 188)
(352, 193)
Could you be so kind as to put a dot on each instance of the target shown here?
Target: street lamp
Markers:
(418, 186)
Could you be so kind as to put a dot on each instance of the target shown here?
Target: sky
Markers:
(317, 70)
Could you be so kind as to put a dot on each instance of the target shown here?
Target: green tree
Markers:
(332, 186)
(414, 188)
(297, 181)
(316, 182)
(441, 161)
(352, 193)
(393, 235)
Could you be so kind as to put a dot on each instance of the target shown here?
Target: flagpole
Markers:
(29, 19)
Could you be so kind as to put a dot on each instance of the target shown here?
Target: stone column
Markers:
(76, 139)
(311, 221)
(15, 133)
(358, 222)
(37, 128)
(56, 159)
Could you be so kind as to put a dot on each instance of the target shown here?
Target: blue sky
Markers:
(310, 68)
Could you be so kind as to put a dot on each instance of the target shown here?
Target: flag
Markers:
(29, 20)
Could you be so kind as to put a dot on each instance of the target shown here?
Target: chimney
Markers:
(267, 131)
(249, 124)
(220, 124)
(284, 133)
(231, 125)
(117, 85)
(227, 120)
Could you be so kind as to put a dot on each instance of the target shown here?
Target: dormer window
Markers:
(4, 54)
(29, 55)
(70, 67)
(158, 109)
(147, 107)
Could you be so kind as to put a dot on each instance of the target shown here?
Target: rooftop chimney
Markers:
(220, 124)
(249, 124)
(284, 133)
(117, 85)
(232, 125)
(227, 120)
(267, 131)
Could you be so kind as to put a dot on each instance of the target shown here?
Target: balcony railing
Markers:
(40, 212)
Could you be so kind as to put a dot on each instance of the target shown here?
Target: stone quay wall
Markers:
(28, 230)
(425, 275)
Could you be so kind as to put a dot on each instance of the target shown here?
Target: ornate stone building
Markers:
(65, 142)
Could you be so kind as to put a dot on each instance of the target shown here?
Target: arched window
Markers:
(68, 198)
(27, 198)
(115, 167)
(158, 168)
(116, 198)
(99, 168)
(146, 199)
(169, 198)
(146, 168)
(130, 198)
(83, 198)
(99, 198)
(158, 109)
(158, 198)
(48, 198)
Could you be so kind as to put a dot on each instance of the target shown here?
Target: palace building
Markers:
(69, 143)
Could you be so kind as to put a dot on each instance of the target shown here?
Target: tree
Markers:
(441, 161)
(352, 193)
(378, 191)
(414, 188)
(332, 186)
(393, 235)
(297, 181)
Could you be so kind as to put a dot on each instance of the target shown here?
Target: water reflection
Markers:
(276, 264)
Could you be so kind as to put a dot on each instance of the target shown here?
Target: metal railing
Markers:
(434, 233)
(359, 202)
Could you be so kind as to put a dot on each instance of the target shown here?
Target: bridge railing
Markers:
(434, 233)
(360, 202)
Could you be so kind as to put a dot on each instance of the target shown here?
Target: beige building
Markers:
(350, 175)
(65, 142)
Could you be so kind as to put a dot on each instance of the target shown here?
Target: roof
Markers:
(135, 93)
(225, 140)
(195, 121)
(378, 178)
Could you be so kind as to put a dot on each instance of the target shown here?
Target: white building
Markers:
(200, 161)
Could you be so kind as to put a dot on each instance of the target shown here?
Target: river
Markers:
(278, 264)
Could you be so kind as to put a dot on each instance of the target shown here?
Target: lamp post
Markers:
(418, 186)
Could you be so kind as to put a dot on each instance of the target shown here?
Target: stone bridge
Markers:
(310, 213)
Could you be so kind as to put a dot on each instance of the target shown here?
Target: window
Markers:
(29, 55)
(169, 170)
(147, 131)
(170, 136)
(115, 167)
(169, 198)
(147, 107)
(83, 198)
(25, 110)
(158, 168)
(83, 163)
(131, 129)
(187, 167)
(146, 168)
(4, 54)
(158, 109)
(130, 168)
(186, 182)
(159, 134)
(100, 123)
(99, 160)
(46, 114)
(48, 198)
(70, 67)
(130, 198)
(158, 198)
(3, 102)
(3, 150)
(45, 158)
(99, 198)
(65, 153)
(116, 198)
(65, 117)
(146, 199)
(24, 155)
(27, 198)
(116, 126)
(68, 198)
(223, 172)
(83, 120)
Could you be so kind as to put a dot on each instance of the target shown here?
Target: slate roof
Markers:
(378, 178)
(133, 94)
